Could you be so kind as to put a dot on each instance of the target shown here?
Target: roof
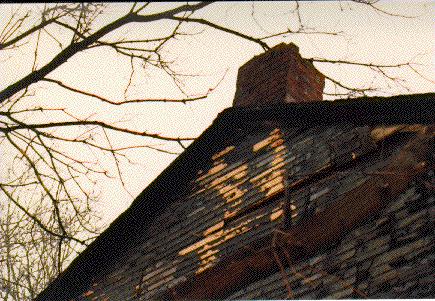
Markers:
(403, 109)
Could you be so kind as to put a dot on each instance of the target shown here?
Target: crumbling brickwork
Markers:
(280, 75)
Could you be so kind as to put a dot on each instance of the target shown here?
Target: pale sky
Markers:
(369, 37)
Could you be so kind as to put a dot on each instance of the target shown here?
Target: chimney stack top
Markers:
(279, 75)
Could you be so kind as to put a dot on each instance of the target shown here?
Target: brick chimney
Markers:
(279, 75)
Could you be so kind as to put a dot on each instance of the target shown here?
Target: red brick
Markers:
(278, 75)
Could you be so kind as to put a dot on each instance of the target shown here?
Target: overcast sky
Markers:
(368, 36)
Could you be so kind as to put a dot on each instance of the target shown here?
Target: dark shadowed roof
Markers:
(125, 230)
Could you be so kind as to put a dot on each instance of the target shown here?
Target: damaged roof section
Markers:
(327, 224)
(366, 121)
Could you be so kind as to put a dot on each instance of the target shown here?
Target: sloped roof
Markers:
(403, 109)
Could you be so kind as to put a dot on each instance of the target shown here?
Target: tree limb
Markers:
(77, 47)
(91, 122)
(117, 103)
(224, 29)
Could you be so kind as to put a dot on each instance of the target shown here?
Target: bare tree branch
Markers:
(117, 103)
(91, 122)
(371, 3)
(224, 29)
(37, 221)
(76, 47)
